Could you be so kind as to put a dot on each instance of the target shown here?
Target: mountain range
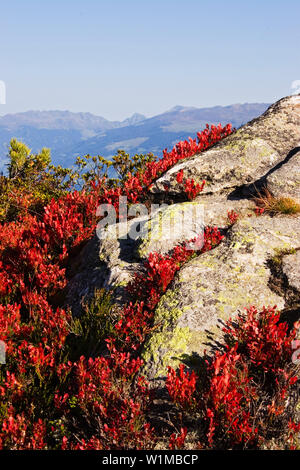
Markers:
(69, 134)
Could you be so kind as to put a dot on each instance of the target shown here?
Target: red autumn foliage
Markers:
(242, 396)
(232, 217)
(259, 211)
(49, 401)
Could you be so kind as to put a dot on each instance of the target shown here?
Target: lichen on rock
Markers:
(215, 286)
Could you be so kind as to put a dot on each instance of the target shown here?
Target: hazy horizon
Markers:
(141, 113)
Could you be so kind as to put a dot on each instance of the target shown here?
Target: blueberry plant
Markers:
(61, 393)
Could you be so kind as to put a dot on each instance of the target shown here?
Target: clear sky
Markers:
(117, 57)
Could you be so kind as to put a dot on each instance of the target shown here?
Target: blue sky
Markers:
(114, 58)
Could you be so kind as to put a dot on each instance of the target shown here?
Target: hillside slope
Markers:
(71, 134)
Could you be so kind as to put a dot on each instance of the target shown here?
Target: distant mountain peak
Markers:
(55, 119)
(70, 134)
(134, 119)
(179, 108)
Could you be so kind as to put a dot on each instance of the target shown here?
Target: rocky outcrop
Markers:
(108, 263)
(238, 273)
(285, 179)
(244, 157)
(291, 268)
(216, 285)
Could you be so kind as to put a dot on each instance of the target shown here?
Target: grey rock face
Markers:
(245, 156)
(216, 285)
(285, 180)
(107, 263)
(291, 268)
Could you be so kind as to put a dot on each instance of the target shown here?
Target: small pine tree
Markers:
(25, 165)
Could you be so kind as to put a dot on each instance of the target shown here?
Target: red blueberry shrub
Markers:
(245, 395)
(73, 383)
